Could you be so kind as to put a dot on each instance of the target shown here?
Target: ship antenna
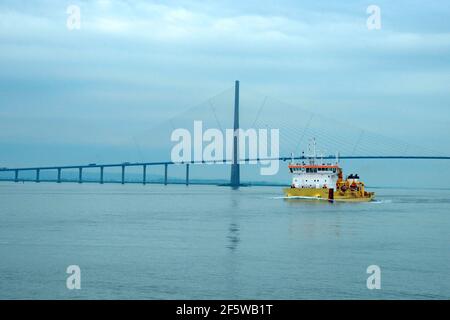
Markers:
(292, 157)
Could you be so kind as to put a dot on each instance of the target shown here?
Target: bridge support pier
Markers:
(123, 175)
(59, 175)
(16, 175)
(38, 171)
(144, 174)
(165, 174)
(101, 175)
(187, 174)
(80, 175)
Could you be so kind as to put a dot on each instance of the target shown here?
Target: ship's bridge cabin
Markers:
(314, 175)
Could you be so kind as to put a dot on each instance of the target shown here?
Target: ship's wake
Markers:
(375, 201)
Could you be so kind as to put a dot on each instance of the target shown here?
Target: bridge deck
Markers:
(138, 164)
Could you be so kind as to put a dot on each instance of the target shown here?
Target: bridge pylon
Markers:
(235, 180)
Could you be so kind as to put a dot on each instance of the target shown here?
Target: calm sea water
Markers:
(205, 242)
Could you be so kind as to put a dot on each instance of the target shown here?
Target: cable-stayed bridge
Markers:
(165, 165)
(296, 127)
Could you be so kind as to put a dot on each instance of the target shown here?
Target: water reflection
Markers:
(233, 237)
(315, 219)
(232, 288)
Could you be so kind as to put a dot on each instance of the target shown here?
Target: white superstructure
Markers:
(314, 174)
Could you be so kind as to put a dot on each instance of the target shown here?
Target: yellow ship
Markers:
(317, 180)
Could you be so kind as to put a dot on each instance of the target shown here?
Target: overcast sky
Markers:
(69, 95)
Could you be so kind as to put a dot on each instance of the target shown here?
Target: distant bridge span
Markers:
(166, 164)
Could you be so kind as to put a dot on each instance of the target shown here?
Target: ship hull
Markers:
(327, 194)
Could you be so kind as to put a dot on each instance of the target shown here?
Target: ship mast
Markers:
(314, 151)
(314, 147)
